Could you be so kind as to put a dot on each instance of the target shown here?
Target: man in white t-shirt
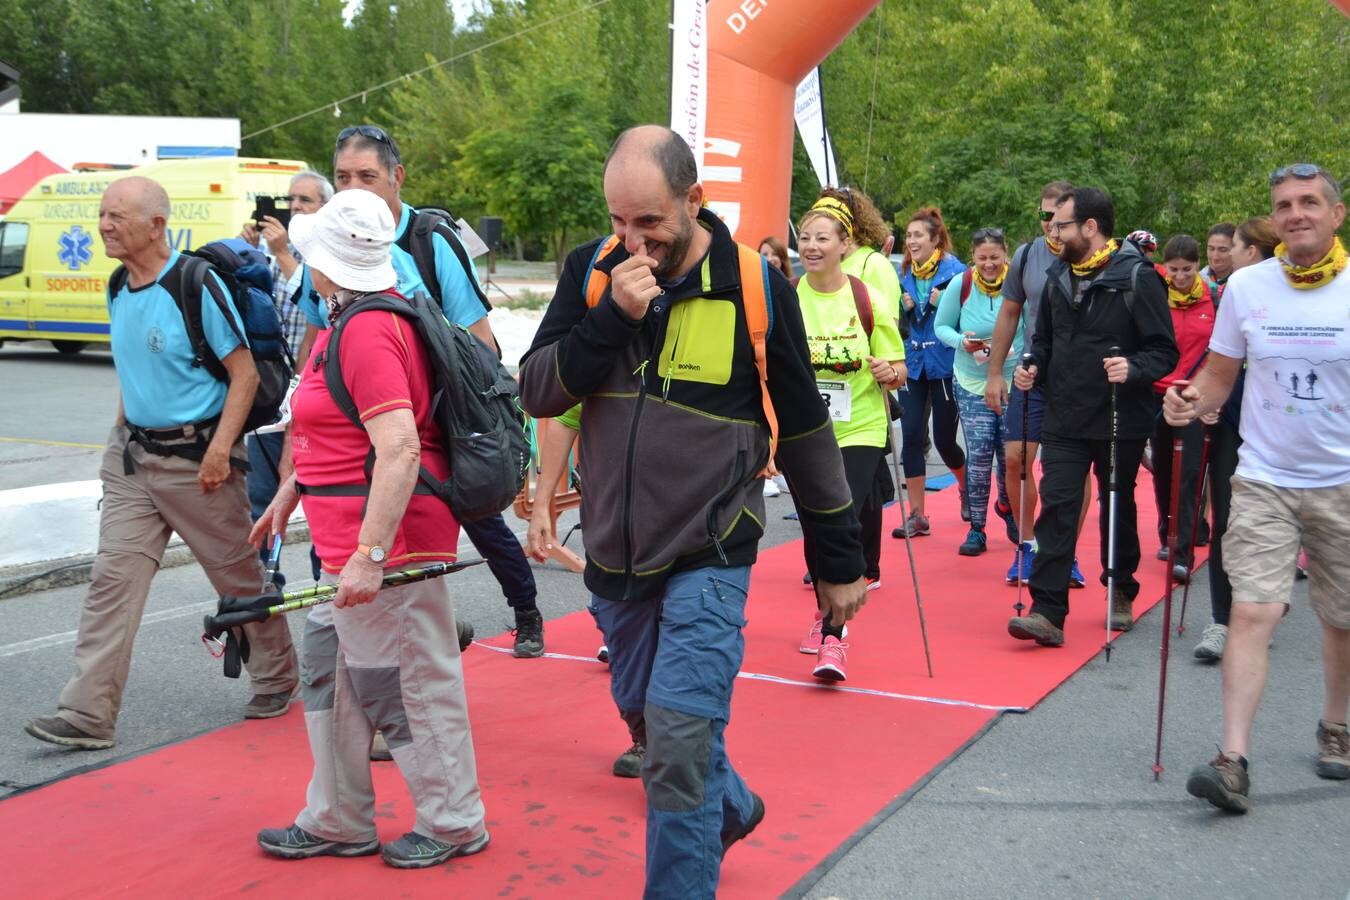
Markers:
(1288, 318)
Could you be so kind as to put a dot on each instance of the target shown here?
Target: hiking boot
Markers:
(295, 842)
(465, 632)
(916, 525)
(1223, 782)
(811, 643)
(1333, 751)
(529, 632)
(1021, 565)
(417, 851)
(1163, 553)
(974, 545)
(740, 834)
(379, 749)
(1211, 643)
(1181, 574)
(1004, 512)
(56, 730)
(1076, 579)
(1122, 611)
(269, 706)
(629, 763)
(830, 660)
(1038, 628)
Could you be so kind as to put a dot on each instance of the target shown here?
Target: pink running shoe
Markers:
(830, 660)
(811, 643)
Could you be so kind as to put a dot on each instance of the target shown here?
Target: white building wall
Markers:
(119, 140)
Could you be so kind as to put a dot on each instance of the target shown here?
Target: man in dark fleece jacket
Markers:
(672, 443)
(1098, 295)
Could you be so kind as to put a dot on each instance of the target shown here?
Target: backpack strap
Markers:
(116, 282)
(596, 282)
(192, 279)
(967, 281)
(417, 242)
(759, 322)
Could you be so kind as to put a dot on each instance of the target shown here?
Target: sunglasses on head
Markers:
(987, 234)
(372, 132)
(1301, 170)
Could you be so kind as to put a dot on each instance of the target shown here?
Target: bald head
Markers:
(656, 146)
(144, 195)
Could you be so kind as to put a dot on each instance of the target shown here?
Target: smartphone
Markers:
(267, 206)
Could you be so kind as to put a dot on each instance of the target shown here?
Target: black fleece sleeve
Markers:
(1157, 354)
(1044, 338)
(807, 450)
(575, 347)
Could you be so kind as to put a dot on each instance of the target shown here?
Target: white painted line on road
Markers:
(775, 679)
(68, 637)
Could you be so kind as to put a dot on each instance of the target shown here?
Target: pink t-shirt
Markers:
(385, 368)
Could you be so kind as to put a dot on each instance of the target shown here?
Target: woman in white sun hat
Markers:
(396, 666)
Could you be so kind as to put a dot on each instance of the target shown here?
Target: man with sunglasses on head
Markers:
(1288, 319)
(1099, 295)
(1027, 272)
(367, 157)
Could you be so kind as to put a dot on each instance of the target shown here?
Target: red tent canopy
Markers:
(16, 182)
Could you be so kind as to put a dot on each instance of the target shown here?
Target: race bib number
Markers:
(838, 399)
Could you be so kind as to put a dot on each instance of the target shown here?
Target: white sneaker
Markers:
(771, 489)
(1211, 643)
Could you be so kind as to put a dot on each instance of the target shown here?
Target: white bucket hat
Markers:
(348, 240)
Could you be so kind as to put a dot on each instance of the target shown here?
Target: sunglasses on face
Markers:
(372, 132)
(1045, 215)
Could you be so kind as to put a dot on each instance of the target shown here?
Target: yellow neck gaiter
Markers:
(926, 270)
(991, 288)
(1179, 300)
(1053, 245)
(1305, 278)
(1094, 262)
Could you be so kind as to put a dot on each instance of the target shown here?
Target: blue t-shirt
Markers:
(161, 388)
(459, 300)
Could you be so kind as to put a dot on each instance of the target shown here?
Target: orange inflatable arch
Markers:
(757, 51)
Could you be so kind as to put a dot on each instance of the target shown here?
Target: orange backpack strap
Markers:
(759, 320)
(596, 281)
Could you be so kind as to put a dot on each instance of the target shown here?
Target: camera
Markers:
(267, 206)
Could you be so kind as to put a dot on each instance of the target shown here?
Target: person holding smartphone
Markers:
(966, 314)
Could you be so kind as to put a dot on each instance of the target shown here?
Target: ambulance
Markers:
(53, 271)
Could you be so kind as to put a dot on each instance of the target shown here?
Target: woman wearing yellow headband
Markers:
(855, 365)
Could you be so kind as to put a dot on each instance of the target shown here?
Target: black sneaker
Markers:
(416, 851)
(295, 842)
(529, 632)
(56, 730)
(808, 580)
(629, 763)
(974, 545)
(740, 834)
(465, 633)
(1223, 782)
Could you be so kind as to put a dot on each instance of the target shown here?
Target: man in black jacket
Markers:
(1098, 295)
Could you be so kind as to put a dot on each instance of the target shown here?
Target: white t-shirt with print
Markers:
(1296, 408)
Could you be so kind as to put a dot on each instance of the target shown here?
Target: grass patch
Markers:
(519, 299)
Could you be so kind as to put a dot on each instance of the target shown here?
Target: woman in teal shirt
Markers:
(964, 321)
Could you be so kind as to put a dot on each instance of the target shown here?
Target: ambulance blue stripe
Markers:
(68, 327)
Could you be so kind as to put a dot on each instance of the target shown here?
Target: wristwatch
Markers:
(376, 553)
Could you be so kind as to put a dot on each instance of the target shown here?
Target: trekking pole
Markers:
(1111, 511)
(904, 526)
(235, 612)
(1195, 521)
(1022, 503)
(273, 564)
(1174, 507)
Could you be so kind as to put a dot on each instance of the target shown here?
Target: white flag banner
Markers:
(810, 115)
(689, 74)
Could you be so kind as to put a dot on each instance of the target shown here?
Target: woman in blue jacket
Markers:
(965, 320)
(928, 267)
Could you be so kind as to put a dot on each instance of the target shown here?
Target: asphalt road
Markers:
(1059, 802)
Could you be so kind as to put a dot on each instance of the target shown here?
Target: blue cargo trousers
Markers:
(675, 660)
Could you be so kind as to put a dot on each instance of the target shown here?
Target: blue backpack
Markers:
(247, 276)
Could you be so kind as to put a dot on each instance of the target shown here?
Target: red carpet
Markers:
(181, 820)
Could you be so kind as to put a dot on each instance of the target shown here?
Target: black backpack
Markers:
(416, 242)
(474, 403)
(247, 276)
